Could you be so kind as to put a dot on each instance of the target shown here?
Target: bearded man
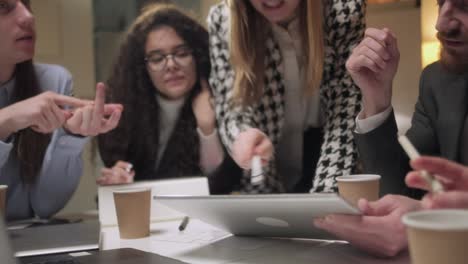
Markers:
(439, 128)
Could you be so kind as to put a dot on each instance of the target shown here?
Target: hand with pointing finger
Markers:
(43, 113)
(95, 117)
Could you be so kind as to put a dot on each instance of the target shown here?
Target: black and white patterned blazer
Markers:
(340, 98)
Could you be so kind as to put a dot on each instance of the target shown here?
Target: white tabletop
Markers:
(202, 243)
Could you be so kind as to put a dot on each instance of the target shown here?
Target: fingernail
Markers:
(318, 221)
(328, 218)
(427, 204)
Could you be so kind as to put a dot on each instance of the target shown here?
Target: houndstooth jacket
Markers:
(340, 98)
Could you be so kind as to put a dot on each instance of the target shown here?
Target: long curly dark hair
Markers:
(136, 137)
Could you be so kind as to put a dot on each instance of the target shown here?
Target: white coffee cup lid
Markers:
(447, 219)
(3, 186)
(358, 178)
(130, 190)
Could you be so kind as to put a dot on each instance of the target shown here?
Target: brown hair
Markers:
(29, 145)
(247, 47)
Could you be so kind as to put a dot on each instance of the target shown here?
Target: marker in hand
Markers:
(257, 171)
(434, 184)
(129, 168)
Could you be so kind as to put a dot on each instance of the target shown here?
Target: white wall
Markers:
(429, 11)
(65, 37)
(205, 8)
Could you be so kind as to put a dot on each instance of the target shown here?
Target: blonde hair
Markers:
(248, 34)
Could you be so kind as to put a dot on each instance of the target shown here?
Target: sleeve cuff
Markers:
(206, 137)
(5, 149)
(68, 140)
(368, 124)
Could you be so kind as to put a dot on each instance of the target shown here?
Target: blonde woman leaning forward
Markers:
(282, 91)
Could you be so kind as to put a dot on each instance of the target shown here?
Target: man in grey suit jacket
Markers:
(439, 121)
(439, 127)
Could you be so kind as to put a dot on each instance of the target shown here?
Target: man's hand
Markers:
(373, 65)
(452, 176)
(379, 230)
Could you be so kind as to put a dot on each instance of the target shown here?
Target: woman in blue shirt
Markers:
(42, 129)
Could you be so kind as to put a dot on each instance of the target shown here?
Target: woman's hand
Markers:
(95, 117)
(43, 113)
(202, 106)
(121, 173)
(251, 142)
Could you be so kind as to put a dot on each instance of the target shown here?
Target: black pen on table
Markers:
(184, 223)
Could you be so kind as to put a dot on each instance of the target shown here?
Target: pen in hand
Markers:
(433, 183)
(184, 223)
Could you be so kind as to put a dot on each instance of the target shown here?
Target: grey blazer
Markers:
(436, 129)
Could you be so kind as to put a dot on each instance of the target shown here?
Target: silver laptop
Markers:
(116, 256)
(277, 215)
(52, 239)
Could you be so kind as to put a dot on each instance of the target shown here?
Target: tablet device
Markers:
(270, 215)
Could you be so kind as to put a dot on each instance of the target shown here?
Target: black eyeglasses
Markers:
(157, 61)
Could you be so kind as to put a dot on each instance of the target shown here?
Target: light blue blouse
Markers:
(62, 165)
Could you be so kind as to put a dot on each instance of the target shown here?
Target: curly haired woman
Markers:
(168, 128)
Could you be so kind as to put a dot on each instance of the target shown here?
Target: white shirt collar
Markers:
(290, 32)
